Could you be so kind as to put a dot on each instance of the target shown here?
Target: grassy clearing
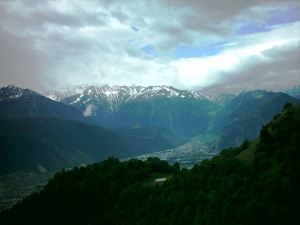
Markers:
(248, 155)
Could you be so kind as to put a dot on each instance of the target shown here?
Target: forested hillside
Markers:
(256, 183)
(54, 143)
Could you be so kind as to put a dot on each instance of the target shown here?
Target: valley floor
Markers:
(194, 151)
(15, 186)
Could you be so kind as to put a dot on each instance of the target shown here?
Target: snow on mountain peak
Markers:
(118, 95)
(65, 91)
(132, 91)
(13, 92)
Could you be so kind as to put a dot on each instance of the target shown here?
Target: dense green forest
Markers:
(256, 183)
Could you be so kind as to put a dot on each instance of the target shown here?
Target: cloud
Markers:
(21, 65)
(89, 110)
(257, 61)
(46, 44)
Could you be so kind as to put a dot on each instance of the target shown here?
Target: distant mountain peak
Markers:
(294, 92)
(16, 102)
(65, 91)
(13, 92)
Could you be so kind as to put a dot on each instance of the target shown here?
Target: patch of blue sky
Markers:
(282, 16)
(149, 49)
(276, 17)
(196, 51)
(250, 28)
(135, 29)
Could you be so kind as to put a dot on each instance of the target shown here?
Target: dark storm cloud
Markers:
(21, 65)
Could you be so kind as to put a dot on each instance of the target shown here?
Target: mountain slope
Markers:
(223, 99)
(183, 116)
(55, 143)
(148, 139)
(24, 103)
(243, 117)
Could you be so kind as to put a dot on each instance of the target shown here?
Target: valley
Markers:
(88, 124)
(253, 181)
(187, 155)
(16, 186)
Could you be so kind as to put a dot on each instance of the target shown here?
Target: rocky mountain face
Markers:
(294, 92)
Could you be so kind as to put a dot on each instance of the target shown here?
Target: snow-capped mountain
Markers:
(66, 91)
(13, 92)
(118, 95)
(294, 92)
(16, 102)
(117, 106)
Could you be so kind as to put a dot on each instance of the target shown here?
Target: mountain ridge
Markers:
(243, 117)
(120, 106)
(115, 94)
(13, 92)
(16, 102)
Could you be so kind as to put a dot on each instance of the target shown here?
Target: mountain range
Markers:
(63, 129)
(186, 113)
(183, 112)
(120, 106)
(36, 130)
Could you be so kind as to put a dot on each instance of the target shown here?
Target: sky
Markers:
(213, 46)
